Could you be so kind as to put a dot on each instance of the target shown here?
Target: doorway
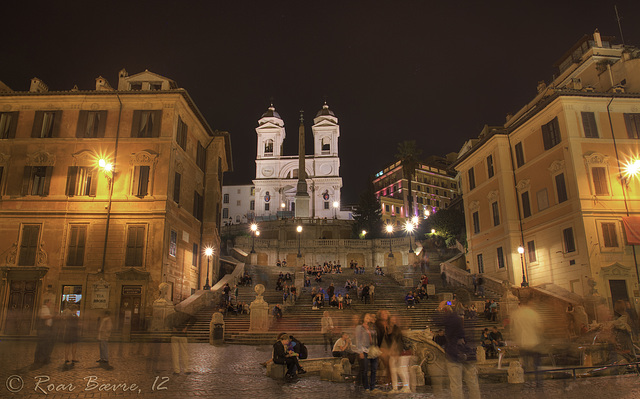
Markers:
(130, 304)
(618, 291)
(22, 298)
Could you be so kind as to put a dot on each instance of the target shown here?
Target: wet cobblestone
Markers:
(227, 372)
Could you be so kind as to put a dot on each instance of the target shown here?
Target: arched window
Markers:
(326, 145)
(294, 174)
(268, 147)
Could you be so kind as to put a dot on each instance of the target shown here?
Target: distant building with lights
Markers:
(238, 204)
(105, 238)
(552, 180)
(433, 187)
(277, 174)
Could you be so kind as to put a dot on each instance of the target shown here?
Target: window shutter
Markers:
(14, 125)
(72, 172)
(47, 181)
(633, 125)
(176, 188)
(131, 247)
(135, 125)
(599, 181)
(73, 247)
(29, 245)
(37, 124)
(103, 123)
(82, 124)
(139, 245)
(589, 125)
(546, 137)
(157, 123)
(93, 188)
(26, 180)
(57, 121)
(143, 181)
(82, 231)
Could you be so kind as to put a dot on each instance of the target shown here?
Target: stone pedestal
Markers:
(299, 282)
(516, 373)
(259, 314)
(216, 329)
(253, 258)
(481, 355)
(161, 309)
(326, 372)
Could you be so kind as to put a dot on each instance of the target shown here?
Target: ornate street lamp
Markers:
(299, 230)
(254, 228)
(524, 283)
(208, 252)
(336, 205)
(389, 231)
(409, 228)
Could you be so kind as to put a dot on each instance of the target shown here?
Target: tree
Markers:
(449, 224)
(368, 214)
(408, 154)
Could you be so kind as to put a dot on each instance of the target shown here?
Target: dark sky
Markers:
(434, 72)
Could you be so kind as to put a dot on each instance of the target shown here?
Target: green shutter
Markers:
(26, 180)
(37, 124)
(57, 121)
(94, 184)
(103, 123)
(82, 124)
(135, 124)
(14, 125)
(157, 123)
(72, 172)
(47, 181)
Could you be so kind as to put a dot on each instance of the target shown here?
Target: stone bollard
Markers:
(326, 371)
(481, 354)
(337, 373)
(417, 376)
(216, 329)
(516, 373)
(346, 366)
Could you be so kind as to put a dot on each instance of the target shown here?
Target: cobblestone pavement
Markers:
(144, 371)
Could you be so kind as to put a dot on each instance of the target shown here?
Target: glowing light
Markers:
(336, 204)
(389, 228)
(364, 232)
(632, 168)
(433, 231)
(106, 166)
(258, 233)
(427, 213)
(208, 251)
(520, 249)
(299, 229)
(409, 227)
(415, 220)
(282, 205)
(254, 227)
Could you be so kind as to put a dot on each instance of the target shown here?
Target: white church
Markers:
(273, 193)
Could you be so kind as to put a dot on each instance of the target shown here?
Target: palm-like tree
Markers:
(408, 154)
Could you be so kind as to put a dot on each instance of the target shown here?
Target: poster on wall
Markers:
(100, 298)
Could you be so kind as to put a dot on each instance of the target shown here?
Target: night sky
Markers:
(434, 72)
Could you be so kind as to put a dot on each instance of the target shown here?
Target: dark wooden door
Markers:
(131, 300)
(618, 291)
(22, 298)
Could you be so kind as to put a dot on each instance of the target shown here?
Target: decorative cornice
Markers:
(474, 205)
(591, 158)
(41, 158)
(556, 166)
(4, 158)
(493, 196)
(84, 158)
(523, 185)
(148, 158)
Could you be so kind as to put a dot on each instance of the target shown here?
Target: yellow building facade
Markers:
(103, 235)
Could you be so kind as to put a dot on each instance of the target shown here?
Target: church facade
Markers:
(277, 174)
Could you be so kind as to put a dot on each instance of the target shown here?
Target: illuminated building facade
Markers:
(552, 180)
(104, 235)
(433, 187)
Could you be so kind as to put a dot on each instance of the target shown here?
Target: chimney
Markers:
(102, 84)
(122, 82)
(38, 86)
(541, 86)
(597, 38)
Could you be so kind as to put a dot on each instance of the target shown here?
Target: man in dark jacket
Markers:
(283, 355)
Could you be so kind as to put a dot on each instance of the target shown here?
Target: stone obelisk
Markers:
(302, 196)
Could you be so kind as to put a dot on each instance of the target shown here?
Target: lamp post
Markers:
(107, 169)
(208, 252)
(336, 205)
(254, 228)
(409, 227)
(524, 283)
(299, 230)
(389, 231)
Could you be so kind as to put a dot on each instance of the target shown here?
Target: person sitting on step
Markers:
(283, 355)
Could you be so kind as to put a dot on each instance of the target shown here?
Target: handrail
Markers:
(582, 368)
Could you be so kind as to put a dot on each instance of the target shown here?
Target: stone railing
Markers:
(462, 278)
(247, 242)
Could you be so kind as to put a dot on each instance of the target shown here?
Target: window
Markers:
(526, 205)
(29, 245)
(476, 223)
(531, 250)
(519, 154)
(81, 181)
(36, 180)
(326, 145)
(496, 213)
(155, 86)
(225, 199)
(135, 246)
(589, 125)
(91, 124)
(633, 125)
(46, 124)
(266, 206)
(397, 209)
(500, 258)
(146, 123)
(173, 243)
(181, 134)
(490, 166)
(472, 179)
(386, 208)
(201, 158)
(176, 187)
(135, 86)
(198, 205)
(543, 199)
(561, 188)
(8, 123)
(551, 134)
(194, 255)
(252, 205)
(294, 174)
(225, 213)
(326, 204)
(609, 235)
(268, 147)
(569, 242)
(480, 263)
(599, 175)
(76, 245)
(141, 181)
(238, 202)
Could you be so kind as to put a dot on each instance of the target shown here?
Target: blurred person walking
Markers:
(399, 357)
(327, 330)
(366, 340)
(44, 325)
(104, 332)
(70, 336)
(526, 326)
